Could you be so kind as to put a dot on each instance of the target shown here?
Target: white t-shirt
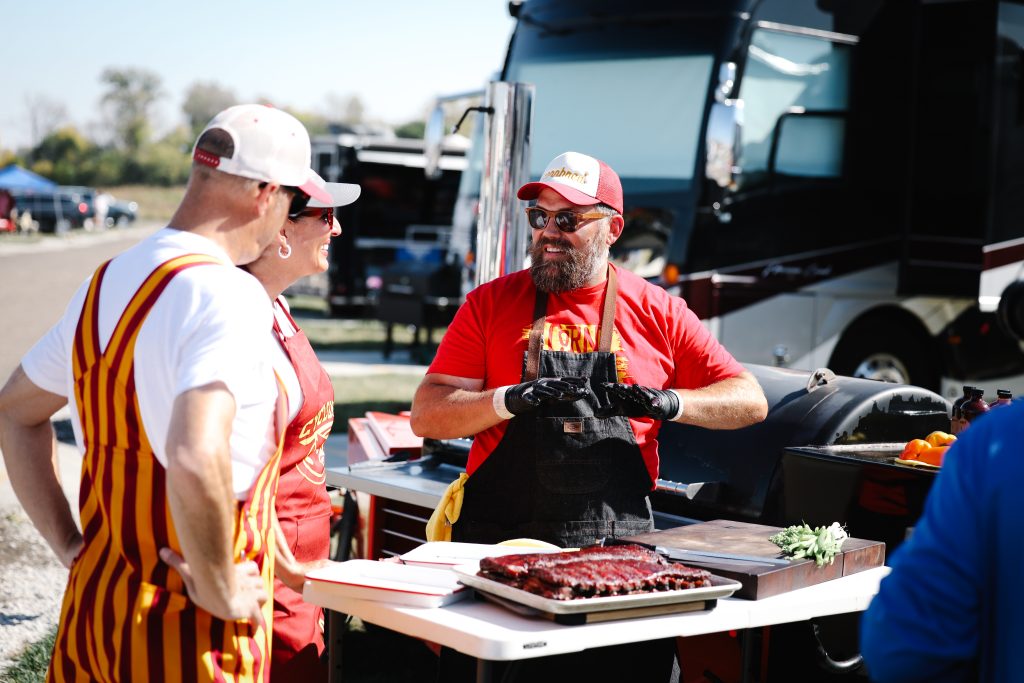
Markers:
(282, 363)
(209, 325)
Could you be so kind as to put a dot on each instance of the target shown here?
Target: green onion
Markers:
(821, 544)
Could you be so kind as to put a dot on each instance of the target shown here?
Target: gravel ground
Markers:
(32, 582)
(31, 579)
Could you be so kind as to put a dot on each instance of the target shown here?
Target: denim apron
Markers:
(562, 474)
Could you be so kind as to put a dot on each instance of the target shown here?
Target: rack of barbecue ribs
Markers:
(591, 572)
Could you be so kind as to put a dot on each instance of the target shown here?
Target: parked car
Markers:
(121, 212)
(57, 210)
(95, 218)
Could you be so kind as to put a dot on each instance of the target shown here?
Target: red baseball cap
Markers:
(581, 179)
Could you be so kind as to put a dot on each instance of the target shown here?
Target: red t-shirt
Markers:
(658, 342)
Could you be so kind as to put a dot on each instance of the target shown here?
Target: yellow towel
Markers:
(439, 526)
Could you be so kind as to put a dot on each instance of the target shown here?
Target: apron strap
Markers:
(540, 307)
(611, 292)
(278, 332)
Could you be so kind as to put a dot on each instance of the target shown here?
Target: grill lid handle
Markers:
(679, 489)
(819, 378)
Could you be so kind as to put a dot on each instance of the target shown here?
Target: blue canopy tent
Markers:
(14, 177)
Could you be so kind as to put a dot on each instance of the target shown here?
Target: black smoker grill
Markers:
(825, 453)
(418, 293)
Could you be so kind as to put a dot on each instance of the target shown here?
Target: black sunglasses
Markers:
(326, 215)
(299, 199)
(565, 219)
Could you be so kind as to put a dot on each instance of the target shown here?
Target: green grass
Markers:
(30, 667)
(155, 203)
(306, 304)
(19, 238)
(353, 396)
(332, 334)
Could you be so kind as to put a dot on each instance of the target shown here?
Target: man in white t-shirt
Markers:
(163, 356)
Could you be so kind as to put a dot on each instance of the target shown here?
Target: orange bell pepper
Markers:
(933, 455)
(913, 449)
(940, 439)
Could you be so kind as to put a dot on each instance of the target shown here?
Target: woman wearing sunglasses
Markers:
(303, 506)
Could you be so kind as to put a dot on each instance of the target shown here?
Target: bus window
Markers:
(788, 75)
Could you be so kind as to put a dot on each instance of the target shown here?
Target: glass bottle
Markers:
(973, 408)
(1003, 398)
(956, 418)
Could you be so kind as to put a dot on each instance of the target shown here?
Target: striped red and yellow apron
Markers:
(126, 615)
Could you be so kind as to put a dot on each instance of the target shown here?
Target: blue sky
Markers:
(394, 54)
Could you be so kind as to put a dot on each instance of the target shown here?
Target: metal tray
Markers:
(720, 588)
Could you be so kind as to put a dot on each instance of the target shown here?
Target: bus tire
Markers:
(888, 352)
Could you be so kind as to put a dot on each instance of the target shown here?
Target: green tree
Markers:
(167, 161)
(64, 142)
(103, 168)
(130, 98)
(62, 156)
(203, 100)
(43, 167)
(315, 123)
(412, 129)
(7, 157)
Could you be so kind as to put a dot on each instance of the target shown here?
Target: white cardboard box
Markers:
(388, 582)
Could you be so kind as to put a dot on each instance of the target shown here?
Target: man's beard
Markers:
(569, 273)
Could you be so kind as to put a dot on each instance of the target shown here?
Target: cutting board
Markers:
(762, 581)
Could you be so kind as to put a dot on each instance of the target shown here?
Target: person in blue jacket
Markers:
(953, 607)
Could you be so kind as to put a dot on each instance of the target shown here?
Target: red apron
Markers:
(304, 510)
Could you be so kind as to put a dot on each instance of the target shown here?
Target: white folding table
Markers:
(491, 633)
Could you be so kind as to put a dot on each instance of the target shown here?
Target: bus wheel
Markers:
(885, 367)
(888, 354)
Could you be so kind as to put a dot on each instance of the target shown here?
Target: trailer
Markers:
(402, 219)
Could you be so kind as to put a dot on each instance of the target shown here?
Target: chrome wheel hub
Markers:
(884, 367)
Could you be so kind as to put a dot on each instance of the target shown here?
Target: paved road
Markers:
(38, 279)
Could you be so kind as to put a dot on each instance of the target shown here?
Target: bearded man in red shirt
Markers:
(564, 373)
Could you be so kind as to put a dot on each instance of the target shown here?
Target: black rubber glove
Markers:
(525, 397)
(634, 400)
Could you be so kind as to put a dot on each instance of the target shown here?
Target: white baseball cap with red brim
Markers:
(342, 194)
(270, 145)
